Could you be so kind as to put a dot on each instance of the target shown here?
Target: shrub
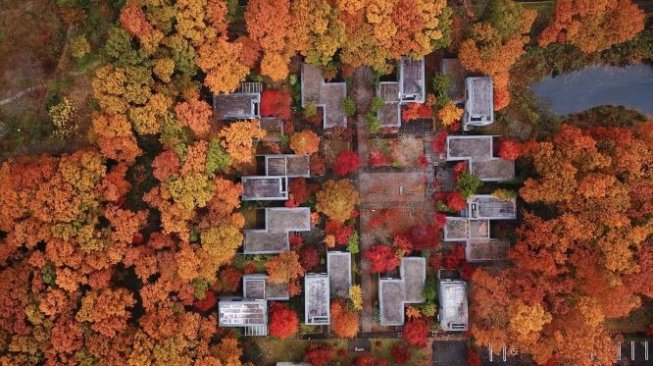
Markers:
(348, 106)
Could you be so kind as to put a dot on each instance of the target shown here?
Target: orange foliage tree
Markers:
(305, 142)
(337, 200)
(283, 321)
(593, 26)
(589, 251)
(344, 322)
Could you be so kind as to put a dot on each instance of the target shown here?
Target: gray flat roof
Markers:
(493, 170)
(339, 269)
(237, 105)
(288, 165)
(478, 250)
(479, 106)
(241, 313)
(413, 273)
(411, 78)
(391, 301)
(486, 206)
(279, 222)
(466, 147)
(316, 299)
(462, 228)
(273, 127)
(329, 96)
(455, 72)
(264, 188)
(453, 305)
(254, 286)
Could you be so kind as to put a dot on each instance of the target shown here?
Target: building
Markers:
(317, 299)
(249, 314)
(272, 184)
(326, 96)
(244, 103)
(257, 287)
(395, 293)
(486, 206)
(453, 315)
(410, 88)
(455, 74)
(479, 103)
(275, 236)
(474, 228)
(478, 152)
(339, 270)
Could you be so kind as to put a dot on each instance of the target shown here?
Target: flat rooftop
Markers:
(485, 206)
(240, 313)
(479, 107)
(411, 77)
(453, 305)
(493, 170)
(264, 188)
(455, 72)
(339, 269)
(288, 165)
(279, 222)
(256, 286)
(413, 273)
(462, 228)
(329, 96)
(466, 147)
(391, 301)
(316, 299)
(237, 105)
(479, 250)
(273, 127)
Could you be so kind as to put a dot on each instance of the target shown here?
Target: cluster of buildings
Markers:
(472, 226)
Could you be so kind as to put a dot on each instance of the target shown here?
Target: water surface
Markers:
(630, 86)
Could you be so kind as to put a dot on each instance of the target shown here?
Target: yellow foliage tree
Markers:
(220, 60)
(450, 114)
(337, 200)
(238, 140)
(274, 66)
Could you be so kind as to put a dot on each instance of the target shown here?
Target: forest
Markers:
(124, 216)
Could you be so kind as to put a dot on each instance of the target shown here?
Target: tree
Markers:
(196, 115)
(273, 33)
(319, 355)
(450, 114)
(220, 60)
(283, 321)
(400, 354)
(284, 268)
(337, 200)
(415, 111)
(381, 258)
(473, 358)
(341, 233)
(416, 332)
(221, 243)
(456, 202)
(275, 66)
(509, 149)
(113, 135)
(593, 26)
(238, 140)
(305, 142)
(276, 103)
(347, 161)
(165, 165)
(106, 311)
(309, 257)
(344, 323)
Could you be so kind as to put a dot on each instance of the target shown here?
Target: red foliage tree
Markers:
(341, 232)
(439, 141)
(455, 201)
(276, 103)
(346, 162)
(416, 332)
(309, 257)
(378, 158)
(319, 355)
(230, 279)
(473, 358)
(283, 321)
(207, 303)
(381, 258)
(510, 149)
(458, 169)
(415, 111)
(402, 243)
(400, 354)
(455, 258)
(369, 360)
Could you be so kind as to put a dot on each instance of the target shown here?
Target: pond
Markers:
(630, 86)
